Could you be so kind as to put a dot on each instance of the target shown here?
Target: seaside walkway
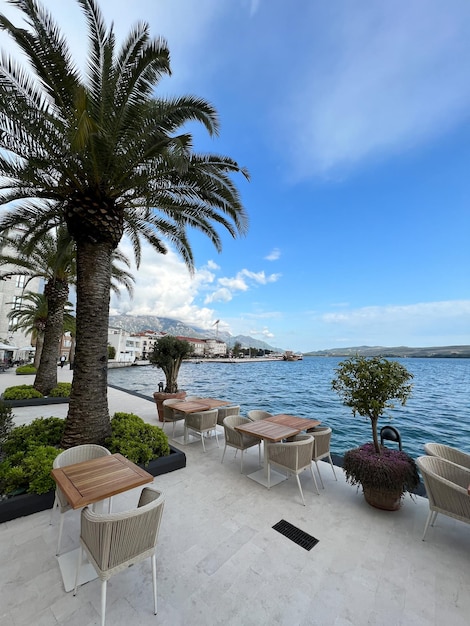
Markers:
(220, 562)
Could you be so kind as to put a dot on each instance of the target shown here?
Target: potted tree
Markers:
(168, 354)
(369, 386)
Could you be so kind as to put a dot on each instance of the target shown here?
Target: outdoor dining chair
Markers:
(202, 422)
(114, 542)
(225, 411)
(447, 489)
(450, 454)
(76, 454)
(293, 456)
(321, 448)
(239, 441)
(256, 414)
(169, 415)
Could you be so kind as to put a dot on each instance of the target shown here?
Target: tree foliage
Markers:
(168, 354)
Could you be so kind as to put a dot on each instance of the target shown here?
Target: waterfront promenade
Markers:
(220, 562)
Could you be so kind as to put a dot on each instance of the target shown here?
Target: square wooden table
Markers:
(270, 432)
(196, 406)
(302, 423)
(89, 482)
(98, 479)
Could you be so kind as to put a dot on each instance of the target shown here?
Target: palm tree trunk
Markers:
(38, 352)
(56, 293)
(88, 416)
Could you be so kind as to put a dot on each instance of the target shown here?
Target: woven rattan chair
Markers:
(202, 423)
(225, 411)
(450, 454)
(292, 456)
(77, 454)
(169, 415)
(446, 487)
(114, 542)
(321, 448)
(256, 415)
(238, 440)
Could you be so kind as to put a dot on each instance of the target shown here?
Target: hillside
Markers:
(400, 351)
(140, 323)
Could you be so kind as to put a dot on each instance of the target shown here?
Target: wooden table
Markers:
(302, 423)
(91, 481)
(196, 406)
(270, 432)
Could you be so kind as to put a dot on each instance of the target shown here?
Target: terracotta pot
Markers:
(160, 396)
(385, 500)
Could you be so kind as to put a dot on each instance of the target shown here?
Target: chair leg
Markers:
(241, 463)
(56, 504)
(202, 439)
(332, 466)
(223, 454)
(77, 572)
(217, 437)
(154, 579)
(103, 601)
(269, 475)
(61, 526)
(430, 517)
(259, 453)
(319, 475)
(185, 434)
(314, 479)
(433, 518)
(300, 489)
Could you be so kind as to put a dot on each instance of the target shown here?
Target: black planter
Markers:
(36, 401)
(29, 503)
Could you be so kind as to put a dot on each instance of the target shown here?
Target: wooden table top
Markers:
(302, 423)
(270, 431)
(201, 404)
(98, 479)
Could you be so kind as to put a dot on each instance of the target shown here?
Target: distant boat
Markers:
(290, 356)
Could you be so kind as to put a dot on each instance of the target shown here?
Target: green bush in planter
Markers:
(61, 391)
(6, 420)
(21, 392)
(46, 431)
(29, 471)
(22, 370)
(135, 439)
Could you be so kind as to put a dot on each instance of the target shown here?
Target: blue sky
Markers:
(353, 120)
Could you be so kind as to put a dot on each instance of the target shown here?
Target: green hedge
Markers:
(135, 439)
(22, 370)
(28, 392)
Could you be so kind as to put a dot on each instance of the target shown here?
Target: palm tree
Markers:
(52, 258)
(107, 157)
(31, 317)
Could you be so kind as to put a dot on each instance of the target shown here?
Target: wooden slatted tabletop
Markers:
(301, 423)
(191, 406)
(270, 431)
(91, 481)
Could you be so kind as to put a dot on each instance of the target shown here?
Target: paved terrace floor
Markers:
(220, 561)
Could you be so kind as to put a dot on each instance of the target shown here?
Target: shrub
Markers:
(46, 431)
(6, 420)
(21, 392)
(29, 471)
(21, 370)
(61, 391)
(135, 439)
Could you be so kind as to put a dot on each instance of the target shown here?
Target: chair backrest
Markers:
(441, 477)
(168, 412)
(295, 454)
(256, 414)
(118, 538)
(390, 433)
(233, 436)
(202, 420)
(446, 452)
(225, 411)
(321, 441)
(77, 454)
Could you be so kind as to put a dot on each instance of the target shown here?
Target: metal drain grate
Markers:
(296, 535)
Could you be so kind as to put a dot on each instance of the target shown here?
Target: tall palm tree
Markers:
(31, 317)
(105, 155)
(52, 258)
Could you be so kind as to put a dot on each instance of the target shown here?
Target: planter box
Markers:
(36, 401)
(29, 503)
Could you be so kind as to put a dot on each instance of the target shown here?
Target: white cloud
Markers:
(273, 255)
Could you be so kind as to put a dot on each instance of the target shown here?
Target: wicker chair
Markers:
(293, 456)
(256, 414)
(238, 440)
(203, 422)
(114, 542)
(169, 415)
(321, 448)
(225, 411)
(446, 487)
(77, 454)
(450, 454)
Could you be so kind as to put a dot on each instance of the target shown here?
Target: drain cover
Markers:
(296, 535)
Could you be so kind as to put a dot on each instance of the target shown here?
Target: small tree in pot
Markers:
(168, 354)
(369, 386)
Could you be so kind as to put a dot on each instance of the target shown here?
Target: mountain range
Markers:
(140, 323)
(400, 351)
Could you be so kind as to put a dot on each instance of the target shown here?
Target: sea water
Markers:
(438, 409)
